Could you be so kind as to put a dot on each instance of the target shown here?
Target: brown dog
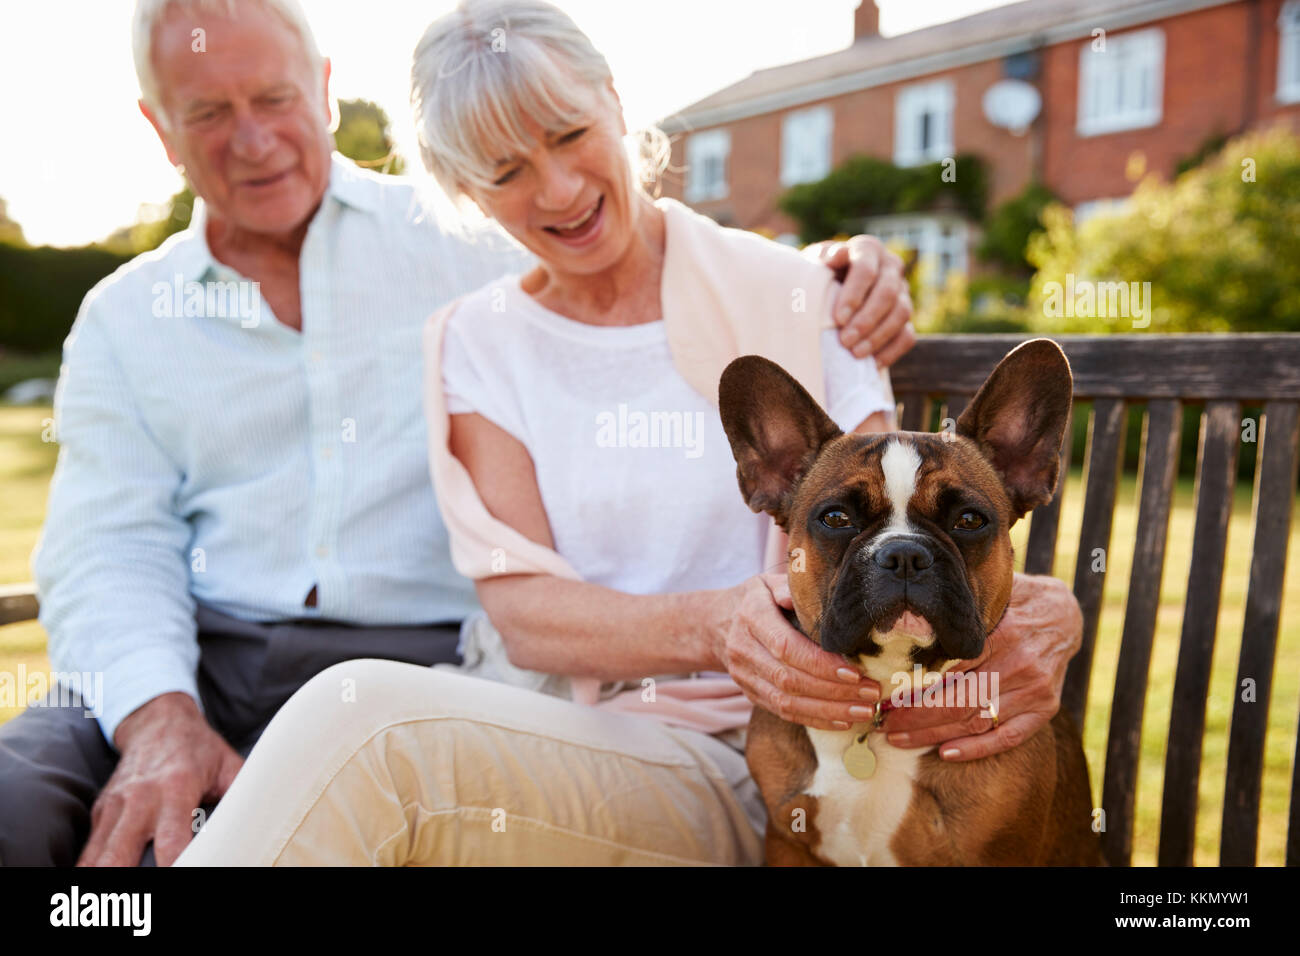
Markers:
(902, 562)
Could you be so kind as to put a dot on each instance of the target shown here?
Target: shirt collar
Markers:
(350, 185)
(347, 185)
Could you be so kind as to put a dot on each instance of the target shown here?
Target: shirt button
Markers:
(322, 551)
(327, 451)
(316, 356)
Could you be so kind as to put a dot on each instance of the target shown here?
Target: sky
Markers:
(79, 161)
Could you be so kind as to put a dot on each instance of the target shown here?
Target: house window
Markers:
(1122, 85)
(806, 146)
(706, 165)
(939, 241)
(923, 123)
(1288, 53)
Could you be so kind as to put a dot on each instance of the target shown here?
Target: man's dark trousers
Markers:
(54, 760)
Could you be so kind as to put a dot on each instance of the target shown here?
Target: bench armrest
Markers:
(18, 603)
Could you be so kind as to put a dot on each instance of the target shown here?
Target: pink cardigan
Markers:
(725, 293)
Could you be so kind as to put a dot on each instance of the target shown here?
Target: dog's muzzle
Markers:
(893, 574)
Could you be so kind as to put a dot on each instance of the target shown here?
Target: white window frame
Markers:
(1112, 81)
(926, 234)
(702, 150)
(937, 98)
(1288, 53)
(806, 137)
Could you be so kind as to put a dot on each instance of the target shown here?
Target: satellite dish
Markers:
(1012, 104)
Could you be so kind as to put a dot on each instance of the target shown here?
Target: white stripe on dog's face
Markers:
(900, 463)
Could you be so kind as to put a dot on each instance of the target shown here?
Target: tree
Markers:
(364, 136)
(1009, 227)
(150, 233)
(10, 231)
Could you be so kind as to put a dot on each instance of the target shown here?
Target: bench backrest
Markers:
(1164, 372)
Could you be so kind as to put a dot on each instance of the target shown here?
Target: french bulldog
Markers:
(901, 561)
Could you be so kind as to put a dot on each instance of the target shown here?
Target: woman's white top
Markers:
(634, 469)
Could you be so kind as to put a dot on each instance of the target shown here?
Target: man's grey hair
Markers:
(482, 69)
(149, 13)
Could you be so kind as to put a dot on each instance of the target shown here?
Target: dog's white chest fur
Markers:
(857, 819)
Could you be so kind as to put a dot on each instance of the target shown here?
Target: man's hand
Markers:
(172, 761)
(780, 669)
(1029, 651)
(874, 306)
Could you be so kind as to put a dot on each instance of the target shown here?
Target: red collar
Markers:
(885, 706)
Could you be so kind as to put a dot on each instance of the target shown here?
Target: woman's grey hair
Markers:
(481, 70)
(149, 13)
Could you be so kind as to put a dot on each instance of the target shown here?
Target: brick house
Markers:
(1124, 87)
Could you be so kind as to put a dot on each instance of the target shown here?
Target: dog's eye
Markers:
(835, 520)
(970, 521)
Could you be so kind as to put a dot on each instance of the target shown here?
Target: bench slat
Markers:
(916, 412)
(1275, 480)
(1191, 367)
(1101, 464)
(1161, 432)
(1216, 472)
(955, 404)
(1044, 523)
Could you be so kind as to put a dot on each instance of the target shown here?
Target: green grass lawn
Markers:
(26, 463)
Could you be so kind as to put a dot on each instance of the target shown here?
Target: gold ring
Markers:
(993, 712)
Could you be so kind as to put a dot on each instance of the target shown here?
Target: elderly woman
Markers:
(590, 492)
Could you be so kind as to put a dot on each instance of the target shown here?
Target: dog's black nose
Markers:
(904, 557)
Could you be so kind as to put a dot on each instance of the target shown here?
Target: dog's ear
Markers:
(1018, 421)
(775, 429)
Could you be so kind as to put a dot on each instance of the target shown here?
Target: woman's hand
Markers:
(780, 669)
(1029, 651)
(874, 305)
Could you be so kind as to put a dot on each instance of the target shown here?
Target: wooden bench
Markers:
(1223, 372)
(1164, 372)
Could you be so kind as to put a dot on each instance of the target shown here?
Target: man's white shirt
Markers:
(211, 453)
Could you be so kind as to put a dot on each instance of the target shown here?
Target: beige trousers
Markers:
(379, 763)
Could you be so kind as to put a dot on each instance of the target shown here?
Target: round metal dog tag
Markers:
(859, 761)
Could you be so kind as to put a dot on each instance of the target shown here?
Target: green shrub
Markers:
(1009, 227)
(1208, 148)
(985, 304)
(863, 186)
(1220, 247)
(41, 289)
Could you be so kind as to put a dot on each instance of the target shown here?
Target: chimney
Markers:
(866, 21)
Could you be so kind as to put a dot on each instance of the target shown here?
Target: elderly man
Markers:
(242, 496)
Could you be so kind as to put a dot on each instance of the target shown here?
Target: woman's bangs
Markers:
(499, 97)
